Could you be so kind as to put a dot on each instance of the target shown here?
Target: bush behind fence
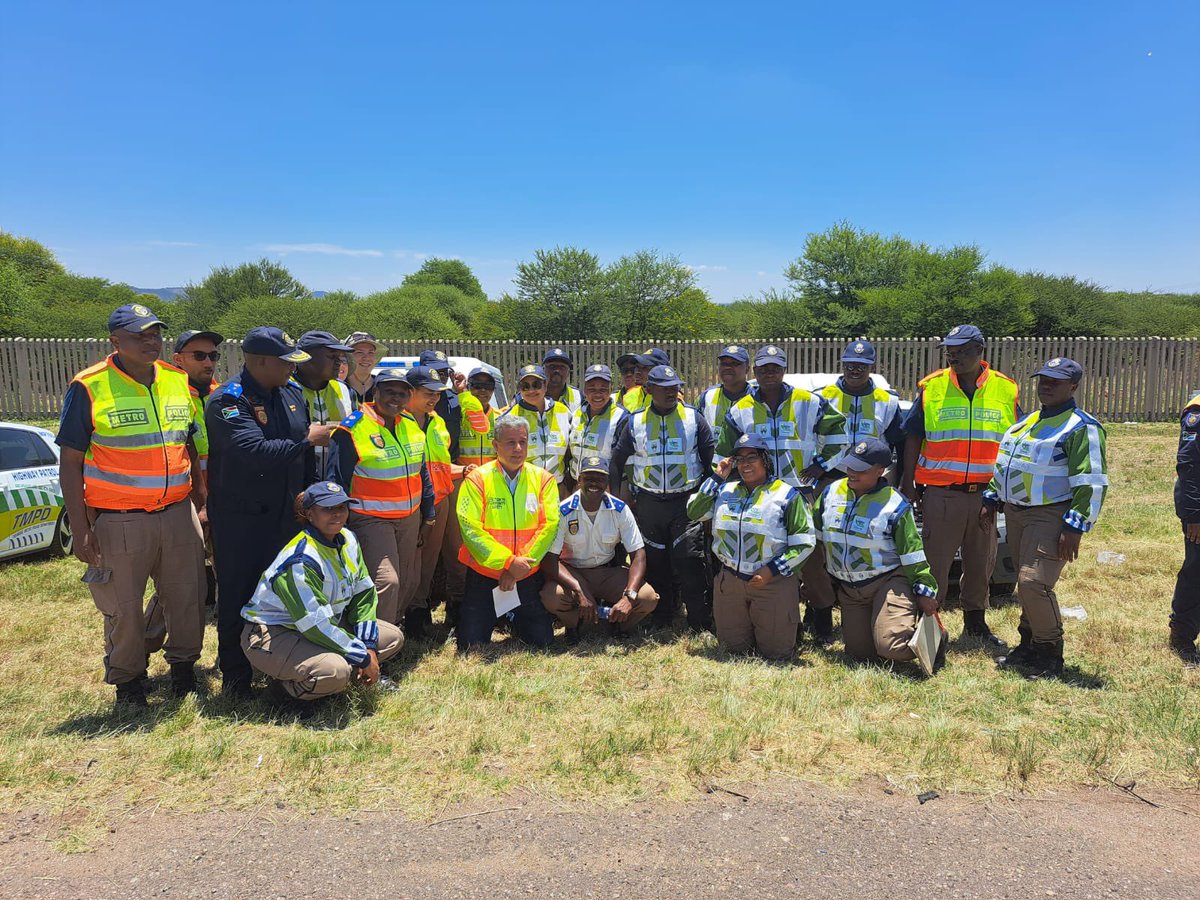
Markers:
(1127, 379)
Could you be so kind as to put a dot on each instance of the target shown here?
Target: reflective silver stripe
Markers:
(981, 432)
(149, 482)
(138, 441)
(385, 473)
(386, 505)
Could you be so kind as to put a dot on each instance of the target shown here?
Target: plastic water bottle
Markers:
(1109, 558)
(602, 612)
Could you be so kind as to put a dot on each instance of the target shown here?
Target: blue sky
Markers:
(149, 142)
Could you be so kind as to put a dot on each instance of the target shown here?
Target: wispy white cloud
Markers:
(761, 274)
(704, 268)
(323, 249)
(172, 244)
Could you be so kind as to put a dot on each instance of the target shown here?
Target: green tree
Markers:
(34, 261)
(205, 303)
(1063, 305)
(562, 289)
(453, 272)
(643, 295)
(293, 316)
(16, 305)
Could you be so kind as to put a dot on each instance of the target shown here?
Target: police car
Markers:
(1004, 575)
(32, 515)
(462, 364)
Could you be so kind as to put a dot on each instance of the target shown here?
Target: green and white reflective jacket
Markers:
(328, 406)
(593, 434)
(869, 536)
(309, 586)
(714, 405)
(665, 457)
(767, 526)
(1047, 459)
(804, 428)
(549, 432)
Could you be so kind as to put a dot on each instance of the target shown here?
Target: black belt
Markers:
(973, 488)
(639, 493)
(148, 512)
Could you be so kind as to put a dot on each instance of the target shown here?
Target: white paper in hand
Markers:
(505, 600)
(926, 641)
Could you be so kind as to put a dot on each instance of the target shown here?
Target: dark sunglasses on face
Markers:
(479, 385)
(532, 386)
(201, 356)
(629, 371)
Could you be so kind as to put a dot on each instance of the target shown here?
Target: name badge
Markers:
(591, 440)
(763, 430)
(860, 524)
(674, 445)
(787, 429)
(535, 440)
(556, 439)
(866, 428)
(654, 446)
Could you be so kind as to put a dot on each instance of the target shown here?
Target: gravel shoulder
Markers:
(779, 840)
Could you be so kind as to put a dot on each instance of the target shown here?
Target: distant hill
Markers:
(172, 293)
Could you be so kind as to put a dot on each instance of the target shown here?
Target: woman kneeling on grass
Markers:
(311, 623)
(762, 535)
(874, 553)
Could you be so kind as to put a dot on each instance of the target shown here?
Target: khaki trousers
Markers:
(167, 547)
(878, 618)
(606, 584)
(749, 618)
(429, 553)
(1033, 533)
(451, 542)
(816, 587)
(306, 670)
(389, 548)
(950, 520)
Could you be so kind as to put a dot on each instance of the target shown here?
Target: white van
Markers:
(462, 364)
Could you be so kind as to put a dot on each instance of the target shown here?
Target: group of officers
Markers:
(337, 511)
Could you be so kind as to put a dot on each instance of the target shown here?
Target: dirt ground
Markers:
(780, 840)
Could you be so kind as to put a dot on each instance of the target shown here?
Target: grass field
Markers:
(614, 722)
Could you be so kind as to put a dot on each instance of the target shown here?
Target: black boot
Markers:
(819, 624)
(183, 678)
(1047, 660)
(237, 688)
(131, 693)
(975, 625)
(1022, 654)
(417, 622)
(1185, 648)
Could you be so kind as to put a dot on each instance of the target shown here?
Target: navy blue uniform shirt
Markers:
(449, 408)
(1187, 467)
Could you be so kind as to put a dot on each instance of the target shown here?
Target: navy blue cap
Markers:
(866, 453)
(750, 441)
(383, 376)
(735, 351)
(434, 359)
(653, 357)
(427, 377)
(597, 371)
(326, 494)
(962, 334)
(267, 340)
(663, 376)
(311, 340)
(770, 355)
(593, 463)
(530, 371)
(1060, 368)
(557, 355)
(188, 336)
(133, 317)
(626, 357)
(859, 352)
(480, 370)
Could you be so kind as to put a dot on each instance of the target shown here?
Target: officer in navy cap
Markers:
(197, 354)
(637, 398)
(733, 370)
(448, 405)
(558, 366)
(328, 400)
(1185, 603)
(870, 410)
(261, 455)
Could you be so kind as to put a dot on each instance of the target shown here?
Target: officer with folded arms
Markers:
(874, 553)
(261, 455)
(128, 470)
(671, 448)
(328, 400)
(1050, 478)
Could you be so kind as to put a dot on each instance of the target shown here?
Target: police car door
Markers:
(30, 499)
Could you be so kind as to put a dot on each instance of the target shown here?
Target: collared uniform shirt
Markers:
(1187, 464)
(586, 544)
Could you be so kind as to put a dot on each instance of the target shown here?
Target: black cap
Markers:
(1062, 369)
(188, 336)
(593, 463)
(626, 358)
(557, 355)
(866, 453)
(267, 340)
(311, 340)
(426, 377)
(326, 494)
(133, 317)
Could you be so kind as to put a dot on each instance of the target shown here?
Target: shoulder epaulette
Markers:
(349, 421)
(568, 505)
(230, 389)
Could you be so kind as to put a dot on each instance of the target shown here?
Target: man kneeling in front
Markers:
(585, 580)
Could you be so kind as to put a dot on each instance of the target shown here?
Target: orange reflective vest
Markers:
(387, 477)
(499, 523)
(962, 436)
(437, 457)
(138, 454)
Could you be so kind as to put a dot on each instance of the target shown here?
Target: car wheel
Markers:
(63, 543)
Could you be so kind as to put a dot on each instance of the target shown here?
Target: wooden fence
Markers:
(1127, 379)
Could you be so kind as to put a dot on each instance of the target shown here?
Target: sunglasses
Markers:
(629, 370)
(201, 356)
(490, 385)
(532, 386)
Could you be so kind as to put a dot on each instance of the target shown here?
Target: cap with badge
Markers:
(133, 317)
(750, 441)
(734, 352)
(362, 337)
(603, 373)
(267, 340)
(1060, 368)
(866, 453)
(481, 372)
(593, 463)
(770, 355)
(663, 376)
(426, 377)
(313, 340)
(962, 334)
(383, 376)
(859, 352)
(435, 359)
(627, 359)
(557, 355)
(188, 336)
(653, 357)
(531, 371)
(324, 494)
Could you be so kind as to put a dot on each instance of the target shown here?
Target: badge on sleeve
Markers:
(260, 413)
(573, 526)
(1192, 420)
(377, 440)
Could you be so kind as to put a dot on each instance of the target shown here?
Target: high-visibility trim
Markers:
(386, 481)
(499, 523)
(962, 436)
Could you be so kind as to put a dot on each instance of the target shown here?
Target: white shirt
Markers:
(585, 544)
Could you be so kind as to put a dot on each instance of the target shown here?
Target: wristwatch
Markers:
(630, 595)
